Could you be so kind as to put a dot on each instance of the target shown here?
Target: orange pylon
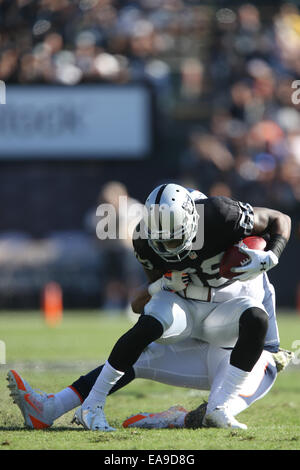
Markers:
(52, 304)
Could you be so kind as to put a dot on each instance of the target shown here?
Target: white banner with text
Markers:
(86, 121)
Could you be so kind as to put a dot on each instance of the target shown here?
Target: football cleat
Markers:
(92, 419)
(221, 418)
(194, 418)
(36, 407)
(166, 419)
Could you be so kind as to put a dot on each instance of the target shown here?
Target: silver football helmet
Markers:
(170, 221)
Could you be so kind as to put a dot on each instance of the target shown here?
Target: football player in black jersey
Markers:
(180, 243)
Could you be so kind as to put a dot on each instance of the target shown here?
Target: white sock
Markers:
(231, 387)
(66, 400)
(107, 378)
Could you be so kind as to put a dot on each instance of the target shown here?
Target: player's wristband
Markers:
(277, 244)
(155, 287)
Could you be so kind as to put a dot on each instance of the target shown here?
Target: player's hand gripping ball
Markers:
(233, 257)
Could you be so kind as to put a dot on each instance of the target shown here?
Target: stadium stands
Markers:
(225, 119)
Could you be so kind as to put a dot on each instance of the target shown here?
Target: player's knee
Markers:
(148, 327)
(130, 346)
(255, 320)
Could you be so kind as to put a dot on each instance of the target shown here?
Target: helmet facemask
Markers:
(170, 223)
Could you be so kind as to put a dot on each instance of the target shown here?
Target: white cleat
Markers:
(164, 420)
(221, 418)
(36, 408)
(92, 419)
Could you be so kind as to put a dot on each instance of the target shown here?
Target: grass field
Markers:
(52, 358)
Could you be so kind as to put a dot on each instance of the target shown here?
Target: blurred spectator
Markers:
(220, 189)
(113, 223)
(206, 160)
(192, 79)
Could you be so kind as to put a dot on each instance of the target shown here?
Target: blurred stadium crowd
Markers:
(222, 71)
(229, 68)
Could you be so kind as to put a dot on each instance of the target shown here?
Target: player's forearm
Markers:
(280, 231)
(280, 225)
(142, 295)
(172, 281)
(140, 299)
(276, 224)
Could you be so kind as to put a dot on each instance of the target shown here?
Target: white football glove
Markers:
(175, 281)
(260, 261)
(172, 281)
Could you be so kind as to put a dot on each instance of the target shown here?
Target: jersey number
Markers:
(209, 267)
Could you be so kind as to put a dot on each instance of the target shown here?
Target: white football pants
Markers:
(215, 322)
(197, 365)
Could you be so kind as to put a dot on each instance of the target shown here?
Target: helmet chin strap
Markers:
(186, 246)
(176, 256)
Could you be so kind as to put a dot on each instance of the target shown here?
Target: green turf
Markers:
(51, 358)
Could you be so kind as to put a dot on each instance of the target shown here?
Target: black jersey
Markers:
(226, 222)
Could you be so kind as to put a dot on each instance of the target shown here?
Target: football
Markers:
(234, 258)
